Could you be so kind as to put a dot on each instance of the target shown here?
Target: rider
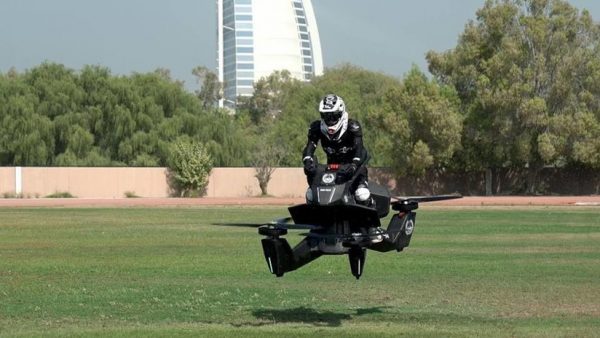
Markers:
(341, 139)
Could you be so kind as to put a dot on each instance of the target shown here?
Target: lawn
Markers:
(189, 272)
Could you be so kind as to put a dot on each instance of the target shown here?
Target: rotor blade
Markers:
(300, 226)
(281, 221)
(420, 199)
(324, 236)
(340, 236)
(284, 223)
(247, 225)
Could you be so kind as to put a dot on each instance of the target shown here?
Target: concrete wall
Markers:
(240, 182)
(95, 182)
(7, 180)
(145, 182)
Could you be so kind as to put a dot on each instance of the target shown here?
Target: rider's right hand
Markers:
(309, 166)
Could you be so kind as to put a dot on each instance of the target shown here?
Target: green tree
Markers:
(524, 71)
(56, 88)
(270, 95)
(210, 88)
(362, 90)
(422, 125)
(364, 93)
(26, 138)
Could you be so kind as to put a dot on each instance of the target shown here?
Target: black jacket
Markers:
(347, 149)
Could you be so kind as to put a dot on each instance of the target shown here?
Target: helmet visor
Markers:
(331, 118)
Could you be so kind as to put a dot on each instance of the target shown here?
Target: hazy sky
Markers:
(142, 35)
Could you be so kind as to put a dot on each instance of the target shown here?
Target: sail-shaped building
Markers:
(257, 37)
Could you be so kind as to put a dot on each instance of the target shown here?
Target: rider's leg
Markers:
(362, 194)
(309, 193)
(310, 178)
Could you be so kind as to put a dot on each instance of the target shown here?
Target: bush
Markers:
(189, 167)
(12, 195)
(130, 194)
(61, 194)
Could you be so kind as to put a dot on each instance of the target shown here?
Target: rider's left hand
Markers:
(347, 170)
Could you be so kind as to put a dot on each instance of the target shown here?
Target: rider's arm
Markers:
(360, 153)
(313, 140)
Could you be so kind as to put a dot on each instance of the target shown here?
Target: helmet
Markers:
(332, 108)
(334, 117)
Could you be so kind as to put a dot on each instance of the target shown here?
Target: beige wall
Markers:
(145, 182)
(95, 182)
(240, 182)
(7, 180)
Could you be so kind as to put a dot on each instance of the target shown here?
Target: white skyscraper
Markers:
(257, 37)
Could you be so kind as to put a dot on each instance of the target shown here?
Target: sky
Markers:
(141, 35)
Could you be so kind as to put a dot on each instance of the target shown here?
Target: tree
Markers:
(189, 167)
(52, 115)
(363, 91)
(266, 158)
(56, 88)
(523, 71)
(270, 96)
(26, 138)
(211, 90)
(422, 125)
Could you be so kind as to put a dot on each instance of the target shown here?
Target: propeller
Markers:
(412, 202)
(247, 225)
(420, 199)
(344, 236)
(284, 223)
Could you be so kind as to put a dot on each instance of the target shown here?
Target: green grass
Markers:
(177, 272)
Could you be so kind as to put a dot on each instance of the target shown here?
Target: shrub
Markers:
(12, 195)
(61, 194)
(189, 167)
(130, 194)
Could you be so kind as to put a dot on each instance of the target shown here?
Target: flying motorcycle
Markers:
(338, 225)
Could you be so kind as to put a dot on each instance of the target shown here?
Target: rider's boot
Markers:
(376, 234)
(362, 195)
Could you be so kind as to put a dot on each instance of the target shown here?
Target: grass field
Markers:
(177, 272)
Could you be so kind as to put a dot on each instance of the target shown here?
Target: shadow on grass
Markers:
(303, 315)
(309, 316)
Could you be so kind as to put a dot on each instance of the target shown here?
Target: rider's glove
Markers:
(309, 166)
(347, 170)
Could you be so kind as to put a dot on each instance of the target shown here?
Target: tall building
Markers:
(258, 37)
